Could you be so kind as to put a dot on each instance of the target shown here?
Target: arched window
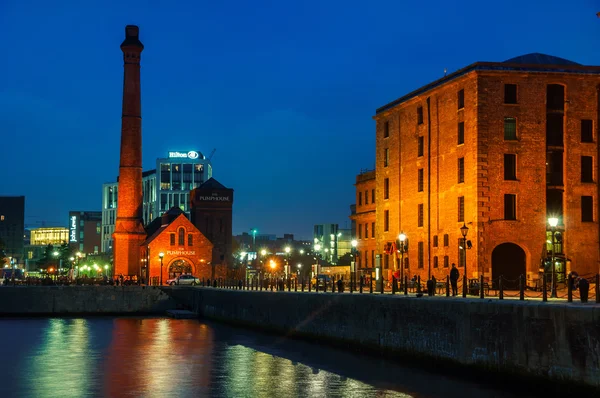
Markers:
(181, 236)
(190, 240)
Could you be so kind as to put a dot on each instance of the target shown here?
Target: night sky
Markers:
(284, 90)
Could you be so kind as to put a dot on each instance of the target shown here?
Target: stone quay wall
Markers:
(83, 300)
(547, 340)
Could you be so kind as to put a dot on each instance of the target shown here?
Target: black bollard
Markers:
(317, 285)
(302, 285)
(309, 284)
(521, 287)
(296, 284)
(433, 285)
(481, 292)
(360, 284)
(597, 291)
(370, 285)
(405, 285)
(464, 286)
(271, 283)
(447, 286)
(393, 284)
(570, 289)
(500, 289)
(418, 284)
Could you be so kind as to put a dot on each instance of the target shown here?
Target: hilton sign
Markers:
(185, 155)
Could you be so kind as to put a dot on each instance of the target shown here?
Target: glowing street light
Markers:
(161, 255)
(263, 252)
(553, 222)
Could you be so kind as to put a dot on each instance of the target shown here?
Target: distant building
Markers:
(363, 220)
(177, 175)
(12, 226)
(84, 231)
(211, 213)
(333, 241)
(39, 240)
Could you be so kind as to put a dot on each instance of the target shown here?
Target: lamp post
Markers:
(161, 255)
(553, 222)
(354, 244)
(254, 231)
(402, 248)
(287, 261)
(464, 230)
(55, 254)
(318, 253)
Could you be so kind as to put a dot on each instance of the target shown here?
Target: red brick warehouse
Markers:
(497, 147)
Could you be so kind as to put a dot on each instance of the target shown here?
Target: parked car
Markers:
(184, 280)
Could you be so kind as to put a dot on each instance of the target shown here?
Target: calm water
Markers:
(156, 357)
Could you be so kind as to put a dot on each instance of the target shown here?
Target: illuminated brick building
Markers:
(185, 249)
(498, 147)
(364, 218)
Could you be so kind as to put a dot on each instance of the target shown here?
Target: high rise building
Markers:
(333, 241)
(180, 172)
(12, 226)
(493, 151)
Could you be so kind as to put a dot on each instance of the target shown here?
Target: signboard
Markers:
(181, 252)
(184, 155)
(214, 197)
(73, 224)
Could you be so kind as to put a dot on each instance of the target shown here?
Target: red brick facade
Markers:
(364, 219)
(129, 231)
(185, 248)
(419, 136)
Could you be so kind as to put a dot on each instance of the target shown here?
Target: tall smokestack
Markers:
(129, 230)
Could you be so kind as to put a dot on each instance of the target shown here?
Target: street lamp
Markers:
(403, 247)
(254, 231)
(553, 222)
(288, 271)
(161, 255)
(106, 270)
(317, 250)
(464, 230)
(354, 244)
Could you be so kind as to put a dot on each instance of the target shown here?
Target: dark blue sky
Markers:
(285, 90)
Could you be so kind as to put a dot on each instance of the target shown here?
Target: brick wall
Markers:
(484, 186)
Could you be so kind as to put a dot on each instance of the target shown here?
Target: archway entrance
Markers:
(179, 267)
(508, 260)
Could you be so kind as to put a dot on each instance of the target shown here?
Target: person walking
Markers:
(454, 275)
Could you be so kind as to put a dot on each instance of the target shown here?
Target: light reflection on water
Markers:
(156, 357)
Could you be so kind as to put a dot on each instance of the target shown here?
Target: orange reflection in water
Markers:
(158, 357)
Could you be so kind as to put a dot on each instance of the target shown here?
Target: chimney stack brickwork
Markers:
(129, 230)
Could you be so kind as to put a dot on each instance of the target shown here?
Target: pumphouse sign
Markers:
(185, 155)
(214, 197)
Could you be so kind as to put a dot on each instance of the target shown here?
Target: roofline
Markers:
(492, 66)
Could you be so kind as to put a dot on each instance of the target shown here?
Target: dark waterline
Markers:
(161, 357)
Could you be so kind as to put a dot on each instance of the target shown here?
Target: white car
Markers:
(184, 280)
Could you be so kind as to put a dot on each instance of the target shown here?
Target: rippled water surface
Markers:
(156, 357)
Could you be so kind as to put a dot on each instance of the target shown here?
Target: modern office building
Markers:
(177, 175)
(39, 240)
(492, 151)
(333, 242)
(85, 231)
(12, 227)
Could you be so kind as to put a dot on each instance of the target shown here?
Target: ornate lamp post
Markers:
(553, 222)
(354, 244)
(288, 270)
(161, 255)
(402, 248)
(464, 230)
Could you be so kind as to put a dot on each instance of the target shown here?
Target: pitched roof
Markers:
(211, 183)
(534, 62)
(539, 59)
